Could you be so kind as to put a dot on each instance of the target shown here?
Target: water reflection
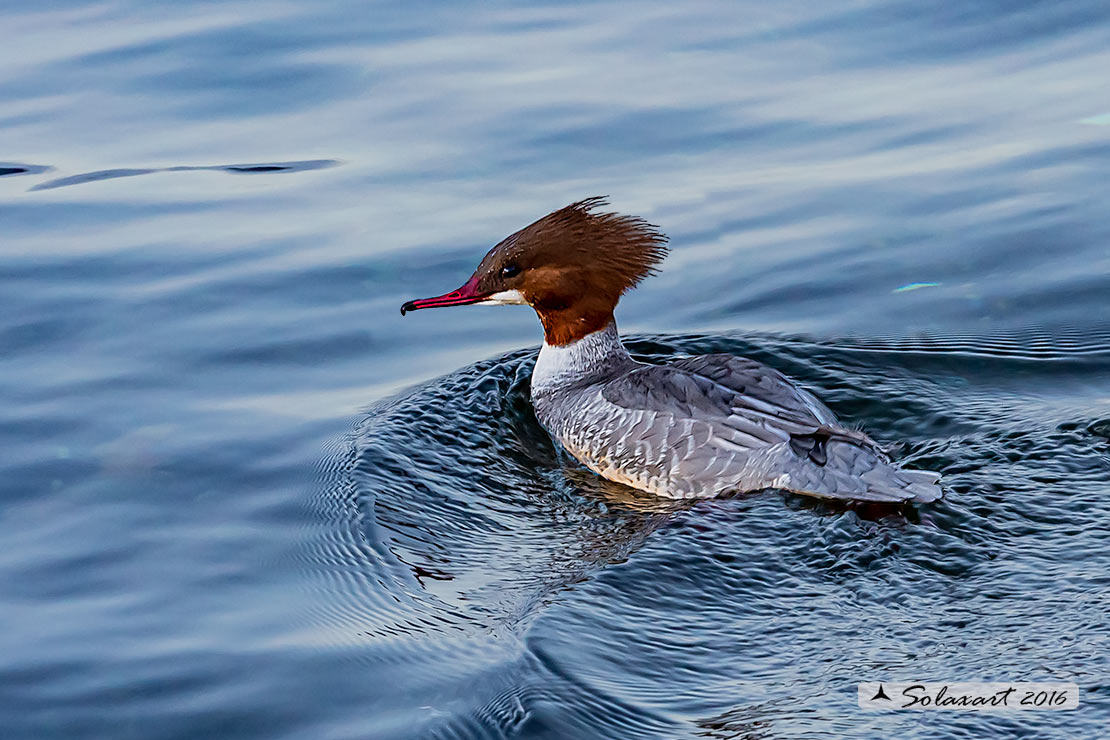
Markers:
(177, 347)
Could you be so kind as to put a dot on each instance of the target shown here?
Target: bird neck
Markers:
(597, 354)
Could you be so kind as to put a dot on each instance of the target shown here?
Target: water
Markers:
(243, 497)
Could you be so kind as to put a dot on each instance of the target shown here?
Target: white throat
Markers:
(593, 356)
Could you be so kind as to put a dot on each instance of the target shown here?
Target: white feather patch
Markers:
(504, 298)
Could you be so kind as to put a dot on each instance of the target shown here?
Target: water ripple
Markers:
(472, 523)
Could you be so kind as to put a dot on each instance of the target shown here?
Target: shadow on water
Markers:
(15, 168)
(235, 169)
(457, 530)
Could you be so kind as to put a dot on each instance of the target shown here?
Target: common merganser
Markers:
(695, 427)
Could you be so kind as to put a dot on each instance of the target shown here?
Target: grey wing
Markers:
(758, 388)
(740, 425)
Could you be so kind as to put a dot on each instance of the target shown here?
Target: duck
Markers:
(691, 428)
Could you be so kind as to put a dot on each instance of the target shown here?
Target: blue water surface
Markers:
(242, 497)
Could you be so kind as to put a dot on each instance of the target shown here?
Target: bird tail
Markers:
(851, 469)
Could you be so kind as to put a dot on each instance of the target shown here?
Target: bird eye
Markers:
(510, 271)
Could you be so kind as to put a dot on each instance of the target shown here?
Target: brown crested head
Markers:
(572, 266)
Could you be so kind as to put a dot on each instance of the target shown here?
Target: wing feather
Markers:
(717, 421)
